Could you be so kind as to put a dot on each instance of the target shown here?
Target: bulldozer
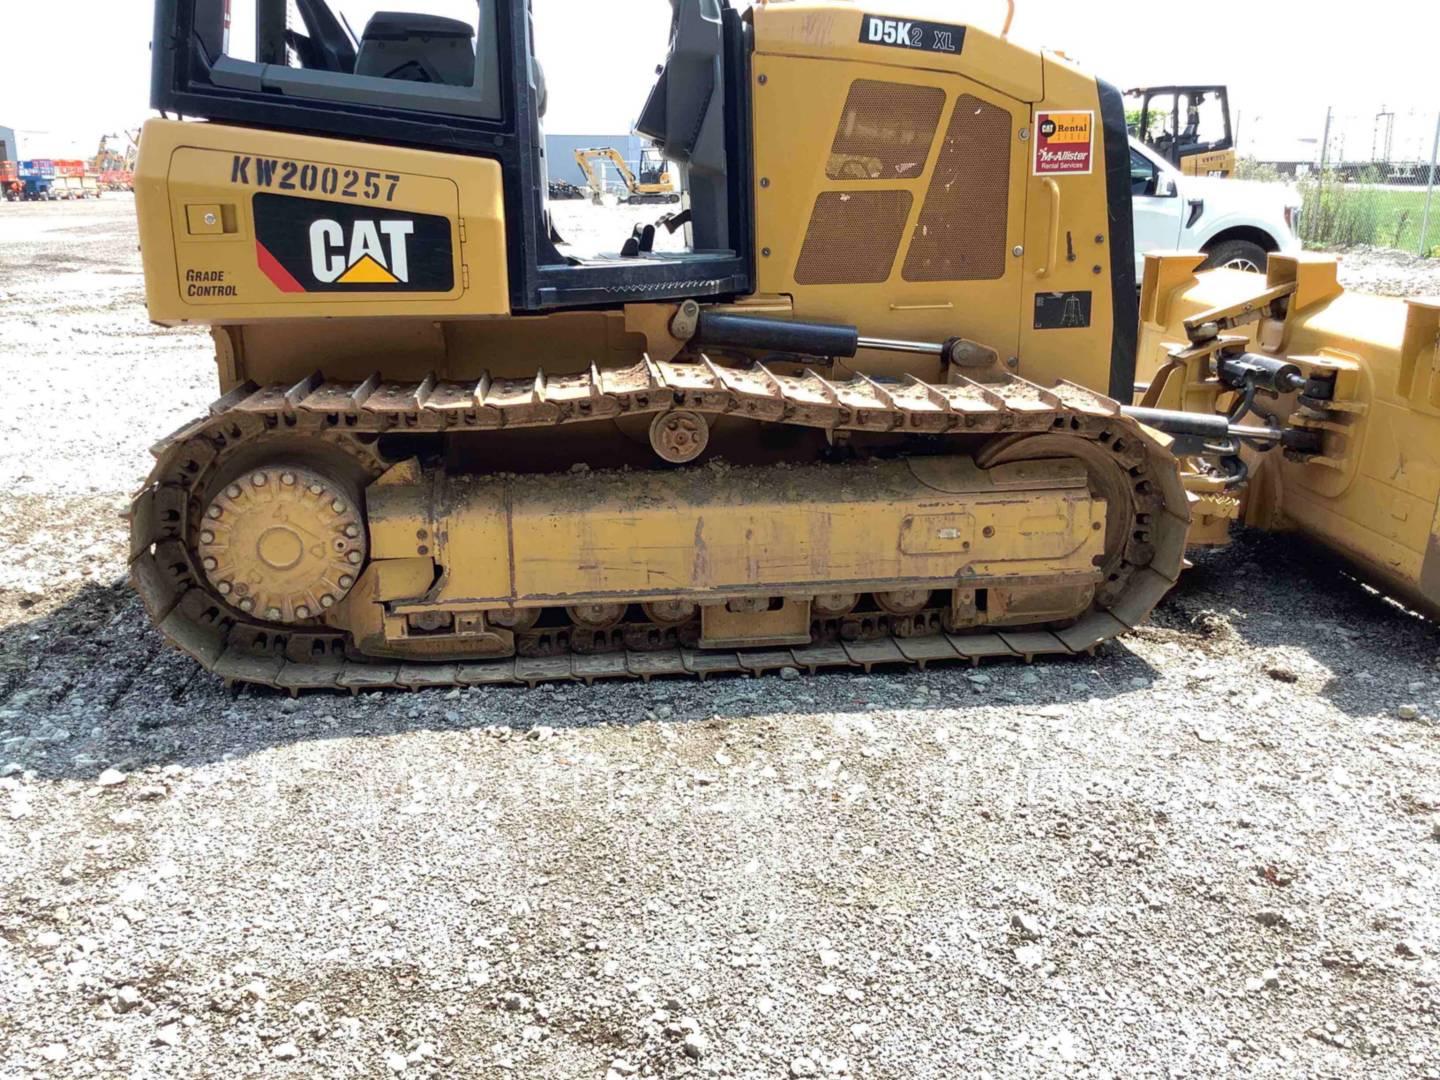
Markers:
(652, 185)
(894, 404)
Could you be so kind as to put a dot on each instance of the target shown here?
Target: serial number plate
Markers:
(278, 174)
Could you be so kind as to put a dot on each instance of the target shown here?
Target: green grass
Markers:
(1340, 214)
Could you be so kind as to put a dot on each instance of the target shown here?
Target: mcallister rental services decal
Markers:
(1064, 143)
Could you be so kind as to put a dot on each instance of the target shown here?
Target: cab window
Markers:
(1160, 123)
(438, 56)
(1144, 176)
(1203, 120)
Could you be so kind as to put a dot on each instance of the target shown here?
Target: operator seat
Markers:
(417, 48)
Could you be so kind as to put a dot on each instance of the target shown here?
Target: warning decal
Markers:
(1064, 143)
(1063, 310)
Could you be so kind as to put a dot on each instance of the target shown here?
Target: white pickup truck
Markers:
(1236, 223)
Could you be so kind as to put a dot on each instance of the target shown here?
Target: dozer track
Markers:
(1009, 420)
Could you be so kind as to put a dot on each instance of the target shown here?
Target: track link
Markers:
(241, 649)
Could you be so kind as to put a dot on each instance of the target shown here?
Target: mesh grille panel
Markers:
(961, 232)
(853, 238)
(885, 132)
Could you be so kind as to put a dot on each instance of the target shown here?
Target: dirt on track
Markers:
(1212, 850)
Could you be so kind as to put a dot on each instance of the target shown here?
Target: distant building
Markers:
(9, 145)
(560, 155)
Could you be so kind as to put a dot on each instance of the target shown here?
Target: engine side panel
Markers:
(922, 180)
(240, 226)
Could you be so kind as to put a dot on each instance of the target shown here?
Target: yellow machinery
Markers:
(108, 159)
(871, 415)
(1189, 126)
(1352, 382)
(652, 185)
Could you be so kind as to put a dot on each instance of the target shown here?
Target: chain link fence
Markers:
(1368, 176)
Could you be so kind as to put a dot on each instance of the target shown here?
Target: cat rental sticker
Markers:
(1064, 143)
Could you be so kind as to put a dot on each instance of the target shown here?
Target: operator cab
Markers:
(431, 81)
(653, 169)
(1184, 123)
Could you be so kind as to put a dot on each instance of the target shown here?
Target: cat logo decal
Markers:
(377, 252)
(314, 246)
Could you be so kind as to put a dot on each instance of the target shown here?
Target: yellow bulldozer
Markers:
(651, 185)
(893, 404)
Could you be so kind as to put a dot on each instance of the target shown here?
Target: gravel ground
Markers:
(1212, 850)
(1389, 273)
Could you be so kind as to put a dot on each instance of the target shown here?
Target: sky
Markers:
(1284, 60)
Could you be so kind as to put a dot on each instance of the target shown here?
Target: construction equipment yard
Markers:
(1213, 849)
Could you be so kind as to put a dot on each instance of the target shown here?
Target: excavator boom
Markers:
(638, 189)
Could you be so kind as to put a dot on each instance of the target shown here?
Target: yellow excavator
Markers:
(652, 185)
(109, 159)
(893, 403)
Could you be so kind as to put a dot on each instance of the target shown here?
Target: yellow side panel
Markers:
(239, 226)
(467, 532)
(1213, 163)
(799, 106)
(833, 31)
(1068, 250)
(1039, 292)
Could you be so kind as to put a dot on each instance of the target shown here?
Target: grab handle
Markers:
(1052, 246)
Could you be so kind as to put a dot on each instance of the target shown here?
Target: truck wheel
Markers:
(1237, 255)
